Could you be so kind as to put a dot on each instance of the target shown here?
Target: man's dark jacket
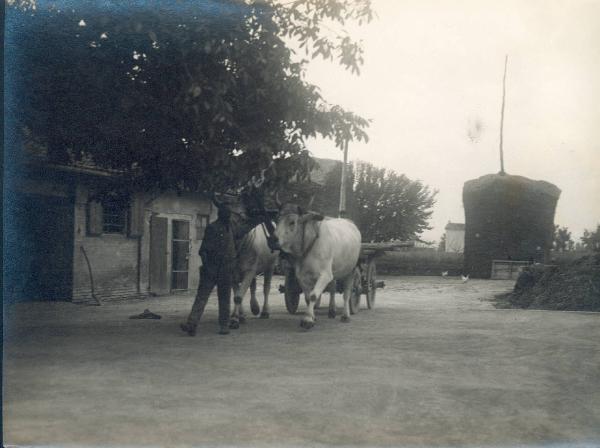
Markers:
(218, 247)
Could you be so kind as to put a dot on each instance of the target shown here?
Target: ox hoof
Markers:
(331, 314)
(234, 324)
(307, 324)
(345, 319)
(254, 308)
(264, 315)
(242, 319)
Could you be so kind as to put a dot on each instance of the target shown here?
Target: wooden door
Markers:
(38, 244)
(158, 255)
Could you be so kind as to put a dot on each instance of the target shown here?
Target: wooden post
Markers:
(502, 116)
(342, 209)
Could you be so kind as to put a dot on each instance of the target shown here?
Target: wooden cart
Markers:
(364, 278)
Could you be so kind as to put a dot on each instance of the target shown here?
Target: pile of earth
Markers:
(573, 287)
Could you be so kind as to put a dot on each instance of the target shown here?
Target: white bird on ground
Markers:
(465, 279)
(445, 274)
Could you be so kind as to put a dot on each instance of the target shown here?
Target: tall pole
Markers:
(342, 210)
(502, 116)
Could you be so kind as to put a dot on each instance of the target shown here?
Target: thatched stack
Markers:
(507, 218)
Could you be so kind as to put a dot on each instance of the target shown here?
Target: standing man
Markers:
(218, 263)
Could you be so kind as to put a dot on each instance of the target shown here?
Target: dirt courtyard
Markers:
(434, 364)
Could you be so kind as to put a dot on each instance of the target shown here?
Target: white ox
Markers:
(254, 258)
(321, 250)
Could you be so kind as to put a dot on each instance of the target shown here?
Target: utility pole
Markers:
(502, 117)
(342, 209)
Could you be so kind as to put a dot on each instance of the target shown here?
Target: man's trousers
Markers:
(222, 278)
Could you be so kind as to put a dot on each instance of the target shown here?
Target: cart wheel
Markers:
(356, 291)
(292, 292)
(371, 284)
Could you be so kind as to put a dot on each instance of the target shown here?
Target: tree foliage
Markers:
(591, 239)
(198, 95)
(562, 239)
(390, 205)
(327, 200)
(442, 244)
(384, 205)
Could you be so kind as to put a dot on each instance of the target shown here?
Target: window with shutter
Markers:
(113, 217)
(107, 213)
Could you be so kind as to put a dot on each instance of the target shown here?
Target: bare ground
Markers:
(434, 364)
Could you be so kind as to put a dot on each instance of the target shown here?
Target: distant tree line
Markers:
(563, 241)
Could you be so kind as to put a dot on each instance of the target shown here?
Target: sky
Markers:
(432, 86)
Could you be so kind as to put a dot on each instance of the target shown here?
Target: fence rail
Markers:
(507, 269)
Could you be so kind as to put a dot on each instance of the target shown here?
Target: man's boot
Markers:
(224, 329)
(188, 328)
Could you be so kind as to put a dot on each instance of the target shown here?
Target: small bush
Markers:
(565, 258)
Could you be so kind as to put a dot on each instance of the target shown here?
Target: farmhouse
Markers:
(74, 231)
(455, 237)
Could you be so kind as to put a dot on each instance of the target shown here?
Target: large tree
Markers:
(562, 239)
(384, 205)
(198, 95)
(390, 205)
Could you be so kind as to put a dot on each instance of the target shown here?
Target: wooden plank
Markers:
(136, 216)
(94, 218)
(158, 255)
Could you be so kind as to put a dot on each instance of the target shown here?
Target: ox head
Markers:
(291, 226)
(246, 211)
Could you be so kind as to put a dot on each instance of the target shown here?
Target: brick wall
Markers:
(113, 259)
(120, 264)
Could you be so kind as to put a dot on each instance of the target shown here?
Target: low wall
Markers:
(420, 262)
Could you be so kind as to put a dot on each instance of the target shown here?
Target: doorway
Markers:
(169, 253)
(159, 228)
(180, 255)
(38, 248)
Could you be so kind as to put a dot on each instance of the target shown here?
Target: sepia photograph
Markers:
(301, 223)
